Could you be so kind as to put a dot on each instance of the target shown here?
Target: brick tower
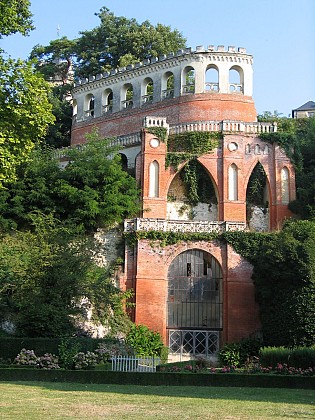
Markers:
(197, 294)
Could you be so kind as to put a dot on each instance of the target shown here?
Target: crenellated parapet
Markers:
(212, 70)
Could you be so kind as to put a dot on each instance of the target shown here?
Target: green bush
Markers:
(300, 357)
(229, 355)
(11, 346)
(144, 341)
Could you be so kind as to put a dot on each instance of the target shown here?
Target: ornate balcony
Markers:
(184, 226)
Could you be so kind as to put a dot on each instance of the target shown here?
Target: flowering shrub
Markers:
(26, 358)
(106, 351)
(48, 361)
(29, 358)
(86, 360)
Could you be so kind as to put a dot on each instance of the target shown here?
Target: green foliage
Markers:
(256, 186)
(25, 113)
(284, 267)
(92, 191)
(144, 341)
(229, 355)
(118, 40)
(67, 349)
(43, 276)
(190, 145)
(297, 138)
(15, 17)
(55, 61)
(299, 357)
(187, 147)
(159, 132)
(168, 238)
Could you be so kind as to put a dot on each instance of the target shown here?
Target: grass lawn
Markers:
(42, 400)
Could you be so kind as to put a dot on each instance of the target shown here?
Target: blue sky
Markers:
(280, 34)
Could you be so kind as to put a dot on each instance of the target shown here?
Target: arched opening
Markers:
(212, 79)
(89, 105)
(233, 183)
(236, 80)
(147, 91)
(74, 109)
(168, 85)
(127, 95)
(154, 179)
(188, 80)
(285, 185)
(192, 195)
(123, 161)
(107, 101)
(257, 200)
(194, 303)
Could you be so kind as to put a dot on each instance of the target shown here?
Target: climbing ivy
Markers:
(190, 145)
(168, 238)
(159, 132)
(187, 147)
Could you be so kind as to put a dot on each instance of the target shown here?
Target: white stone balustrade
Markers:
(183, 226)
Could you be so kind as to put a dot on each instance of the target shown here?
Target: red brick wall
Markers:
(184, 109)
(240, 311)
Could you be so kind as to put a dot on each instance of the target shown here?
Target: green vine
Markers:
(159, 132)
(190, 145)
(168, 238)
(187, 147)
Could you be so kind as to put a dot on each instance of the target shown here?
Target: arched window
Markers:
(89, 105)
(236, 79)
(107, 101)
(257, 149)
(168, 85)
(74, 109)
(212, 79)
(248, 149)
(285, 190)
(154, 179)
(233, 183)
(188, 81)
(147, 91)
(127, 95)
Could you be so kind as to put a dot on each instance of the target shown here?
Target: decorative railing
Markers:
(130, 140)
(134, 364)
(184, 226)
(210, 86)
(190, 88)
(167, 94)
(225, 126)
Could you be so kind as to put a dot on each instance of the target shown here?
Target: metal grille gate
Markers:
(194, 303)
(192, 342)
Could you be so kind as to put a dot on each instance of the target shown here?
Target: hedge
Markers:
(155, 379)
(299, 357)
(10, 347)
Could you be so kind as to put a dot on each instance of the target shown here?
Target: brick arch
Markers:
(211, 247)
(267, 172)
(181, 167)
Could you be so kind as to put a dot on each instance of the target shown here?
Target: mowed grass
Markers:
(43, 400)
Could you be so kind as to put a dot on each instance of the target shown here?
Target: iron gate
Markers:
(193, 342)
(194, 304)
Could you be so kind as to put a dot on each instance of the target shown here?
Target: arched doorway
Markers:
(194, 304)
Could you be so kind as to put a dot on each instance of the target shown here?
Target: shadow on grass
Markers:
(272, 395)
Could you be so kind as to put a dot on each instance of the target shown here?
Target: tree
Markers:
(118, 38)
(15, 16)
(55, 61)
(44, 276)
(92, 191)
(25, 113)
